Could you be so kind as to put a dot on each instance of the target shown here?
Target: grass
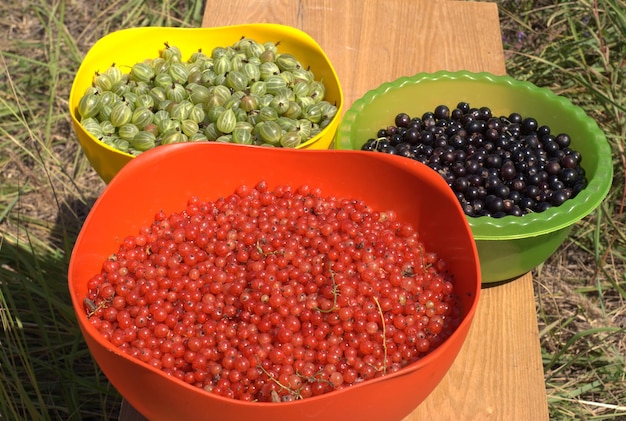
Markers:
(577, 48)
(46, 188)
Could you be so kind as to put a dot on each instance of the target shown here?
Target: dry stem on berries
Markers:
(274, 394)
(93, 307)
(382, 318)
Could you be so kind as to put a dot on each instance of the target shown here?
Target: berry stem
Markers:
(93, 307)
(382, 318)
(294, 393)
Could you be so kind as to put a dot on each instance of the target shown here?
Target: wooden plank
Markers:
(498, 373)
(375, 41)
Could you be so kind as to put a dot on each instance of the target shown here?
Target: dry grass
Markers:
(577, 49)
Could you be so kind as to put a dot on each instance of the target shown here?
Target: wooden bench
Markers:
(498, 375)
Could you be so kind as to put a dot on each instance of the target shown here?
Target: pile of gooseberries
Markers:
(247, 93)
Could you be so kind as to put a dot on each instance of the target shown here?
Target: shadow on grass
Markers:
(46, 370)
(71, 216)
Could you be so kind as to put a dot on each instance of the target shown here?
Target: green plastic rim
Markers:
(558, 112)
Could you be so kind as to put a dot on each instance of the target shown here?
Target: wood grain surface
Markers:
(498, 374)
(375, 41)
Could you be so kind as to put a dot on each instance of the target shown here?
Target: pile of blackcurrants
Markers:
(496, 165)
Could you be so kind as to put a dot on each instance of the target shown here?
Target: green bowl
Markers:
(508, 247)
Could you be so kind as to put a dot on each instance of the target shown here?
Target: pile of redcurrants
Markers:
(274, 294)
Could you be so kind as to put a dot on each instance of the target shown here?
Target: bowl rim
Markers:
(532, 224)
(146, 31)
(157, 155)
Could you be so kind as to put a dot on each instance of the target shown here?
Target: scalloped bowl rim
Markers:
(303, 145)
(533, 224)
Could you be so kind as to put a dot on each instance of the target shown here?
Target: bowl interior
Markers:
(126, 47)
(165, 177)
(504, 95)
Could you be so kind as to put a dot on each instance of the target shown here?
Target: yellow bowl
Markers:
(129, 46)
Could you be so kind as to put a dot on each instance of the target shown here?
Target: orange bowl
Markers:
(166, 177)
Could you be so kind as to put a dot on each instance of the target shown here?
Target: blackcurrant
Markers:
(402, 120)
(442, 112)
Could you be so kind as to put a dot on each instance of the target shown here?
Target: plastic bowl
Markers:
(129, 46)
(212, 170)
(510, 246)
